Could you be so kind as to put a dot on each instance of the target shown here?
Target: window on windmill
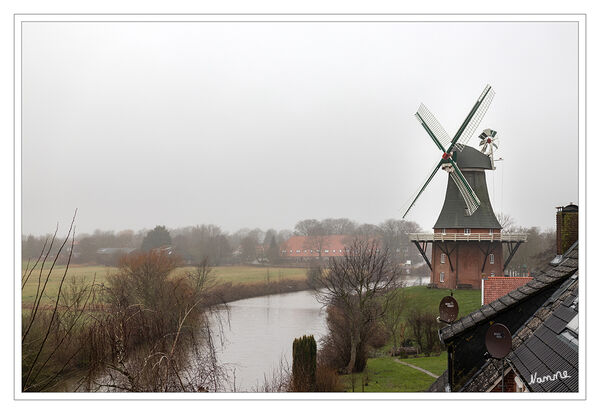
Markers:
(442, 276)
(443, 231)
(491, 258)
(467, 231)
(491, 231)
(442, 258)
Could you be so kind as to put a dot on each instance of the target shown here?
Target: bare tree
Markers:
(361, 285)
(392, 319)
(506, 221)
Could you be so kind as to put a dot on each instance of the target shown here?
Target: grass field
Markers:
(387, 375)
(224, 274)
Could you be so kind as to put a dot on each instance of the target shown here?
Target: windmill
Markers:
(467, 243)
(449, 145)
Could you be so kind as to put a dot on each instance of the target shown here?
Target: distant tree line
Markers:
(207, 241)
(533, 255)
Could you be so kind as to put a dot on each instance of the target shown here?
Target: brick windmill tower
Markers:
(467, 239)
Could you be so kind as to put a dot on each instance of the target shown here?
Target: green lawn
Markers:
(434, 364)
(386, 375)
(223, 274)
(429, 299)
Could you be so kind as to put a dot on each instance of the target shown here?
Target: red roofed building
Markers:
(301, 248)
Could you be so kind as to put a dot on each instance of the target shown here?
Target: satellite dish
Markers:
(448, 309)
(498, 340)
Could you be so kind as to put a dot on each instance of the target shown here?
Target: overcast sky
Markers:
(265, 124)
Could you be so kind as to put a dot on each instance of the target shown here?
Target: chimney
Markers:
(567, 225)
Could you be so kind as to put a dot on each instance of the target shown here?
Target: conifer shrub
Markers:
(304, 365)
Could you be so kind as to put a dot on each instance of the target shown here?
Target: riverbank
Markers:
(228, 292)
(259, 281)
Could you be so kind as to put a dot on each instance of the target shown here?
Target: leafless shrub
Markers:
(279, 381)
(327, 379)
(425, 330)
(51, 338)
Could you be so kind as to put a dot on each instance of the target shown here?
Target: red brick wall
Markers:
(498, 286)
(509, 383)
(467, 260)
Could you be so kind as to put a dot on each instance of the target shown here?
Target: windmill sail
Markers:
(470, 124)
(430, 122)
(472, 202)
(429, 178)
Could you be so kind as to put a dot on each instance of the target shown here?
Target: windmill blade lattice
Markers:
(438, 130)
(476, 115)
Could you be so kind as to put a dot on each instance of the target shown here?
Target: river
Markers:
(260, 333)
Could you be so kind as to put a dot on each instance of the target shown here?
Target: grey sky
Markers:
(265, 124)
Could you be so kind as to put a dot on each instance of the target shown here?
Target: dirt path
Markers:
(431, 374)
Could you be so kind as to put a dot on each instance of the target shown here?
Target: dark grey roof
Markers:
(453, 211)
(570, 208)
(539, 348)
(469, 157)
(549, 344)
(550, 275)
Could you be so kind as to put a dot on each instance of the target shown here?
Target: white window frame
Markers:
(492, 258)
(491, 231)
(467, 231)
(443, 258)
(443, 231)
(326, 250)
(442, 275)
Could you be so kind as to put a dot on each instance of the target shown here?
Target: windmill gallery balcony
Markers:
(501, 237)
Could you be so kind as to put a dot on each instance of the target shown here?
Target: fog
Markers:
(265, 124)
